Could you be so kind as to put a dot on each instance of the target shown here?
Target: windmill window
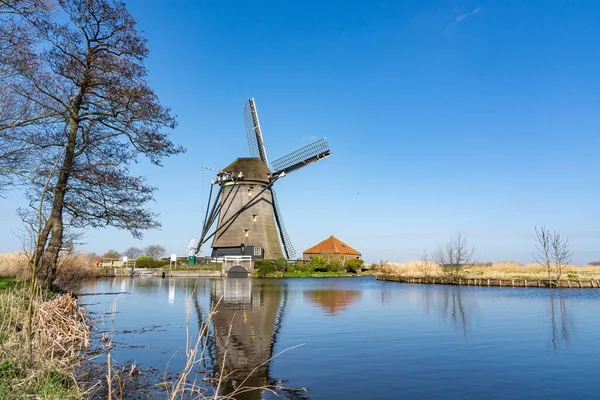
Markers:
(257, 250)
(254, 218)
(246, 232)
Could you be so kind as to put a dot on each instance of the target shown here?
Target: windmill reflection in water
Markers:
(244, 334)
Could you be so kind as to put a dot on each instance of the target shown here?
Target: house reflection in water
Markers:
(332, 301)
(253, 313)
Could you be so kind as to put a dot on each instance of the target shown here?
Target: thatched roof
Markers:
(253, 169)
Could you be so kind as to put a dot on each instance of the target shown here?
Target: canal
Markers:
(354, 338)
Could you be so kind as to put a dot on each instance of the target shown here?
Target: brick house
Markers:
(331, 248)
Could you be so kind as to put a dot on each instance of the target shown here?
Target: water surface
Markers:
(363, 338)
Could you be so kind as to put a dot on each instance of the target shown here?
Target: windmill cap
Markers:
(253, 169)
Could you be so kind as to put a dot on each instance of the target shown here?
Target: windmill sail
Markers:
(287, 243)
(253, 132)
(302, 157)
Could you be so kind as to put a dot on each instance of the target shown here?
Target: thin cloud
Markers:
(461, 17)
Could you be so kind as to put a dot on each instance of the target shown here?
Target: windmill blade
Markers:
(285, 238)
(253, 132)
(302, 157)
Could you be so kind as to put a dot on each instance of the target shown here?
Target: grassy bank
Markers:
(306, 274)
(198, 267)
(6, 283)
(496, 270)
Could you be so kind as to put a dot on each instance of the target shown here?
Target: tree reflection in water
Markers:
(559, 330)
(244, 333)
(452, 304)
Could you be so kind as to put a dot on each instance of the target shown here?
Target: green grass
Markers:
(307, 274)
(7, 283)
(199, 267)
(53, 385)
(315, 274)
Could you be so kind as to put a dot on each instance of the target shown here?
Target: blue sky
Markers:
(473, 117)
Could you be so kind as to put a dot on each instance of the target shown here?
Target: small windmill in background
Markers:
(191, 246)
(245, 205)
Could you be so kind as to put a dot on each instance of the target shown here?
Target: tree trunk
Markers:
(47, 272)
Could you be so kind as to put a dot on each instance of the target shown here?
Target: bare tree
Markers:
(77, 82)
(426, 266)
(14, 35)
(454, 257)
(155, 251)
(553, 252)
(133, 253)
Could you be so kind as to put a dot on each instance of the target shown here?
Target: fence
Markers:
(234, 261)
(115, 263)
(591, 284)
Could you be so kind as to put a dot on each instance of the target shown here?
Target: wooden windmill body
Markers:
(245, 209)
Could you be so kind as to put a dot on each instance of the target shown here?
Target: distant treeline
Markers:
(595, 263)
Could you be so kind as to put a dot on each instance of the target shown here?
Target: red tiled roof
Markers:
(332, 245)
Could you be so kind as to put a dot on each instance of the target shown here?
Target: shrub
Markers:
(145, 262)
(302, 266)
(264, 267)
(335, 265)
(453, 272)
(281, 264)
(318, 263)
(353, 265)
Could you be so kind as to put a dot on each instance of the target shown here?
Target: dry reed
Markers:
(60, 335)
(497, 270)
(72, 270)
(13, 264)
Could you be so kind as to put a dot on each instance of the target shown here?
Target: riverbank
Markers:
(571, 284)
(491, 274)
(308, 274)
(211, 273)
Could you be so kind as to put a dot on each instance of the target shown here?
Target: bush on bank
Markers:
(319, 265)
(264, 267)
(353, 265)
(149, 262)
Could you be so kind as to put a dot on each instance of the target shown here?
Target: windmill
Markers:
(245, 209)
(190, 250)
